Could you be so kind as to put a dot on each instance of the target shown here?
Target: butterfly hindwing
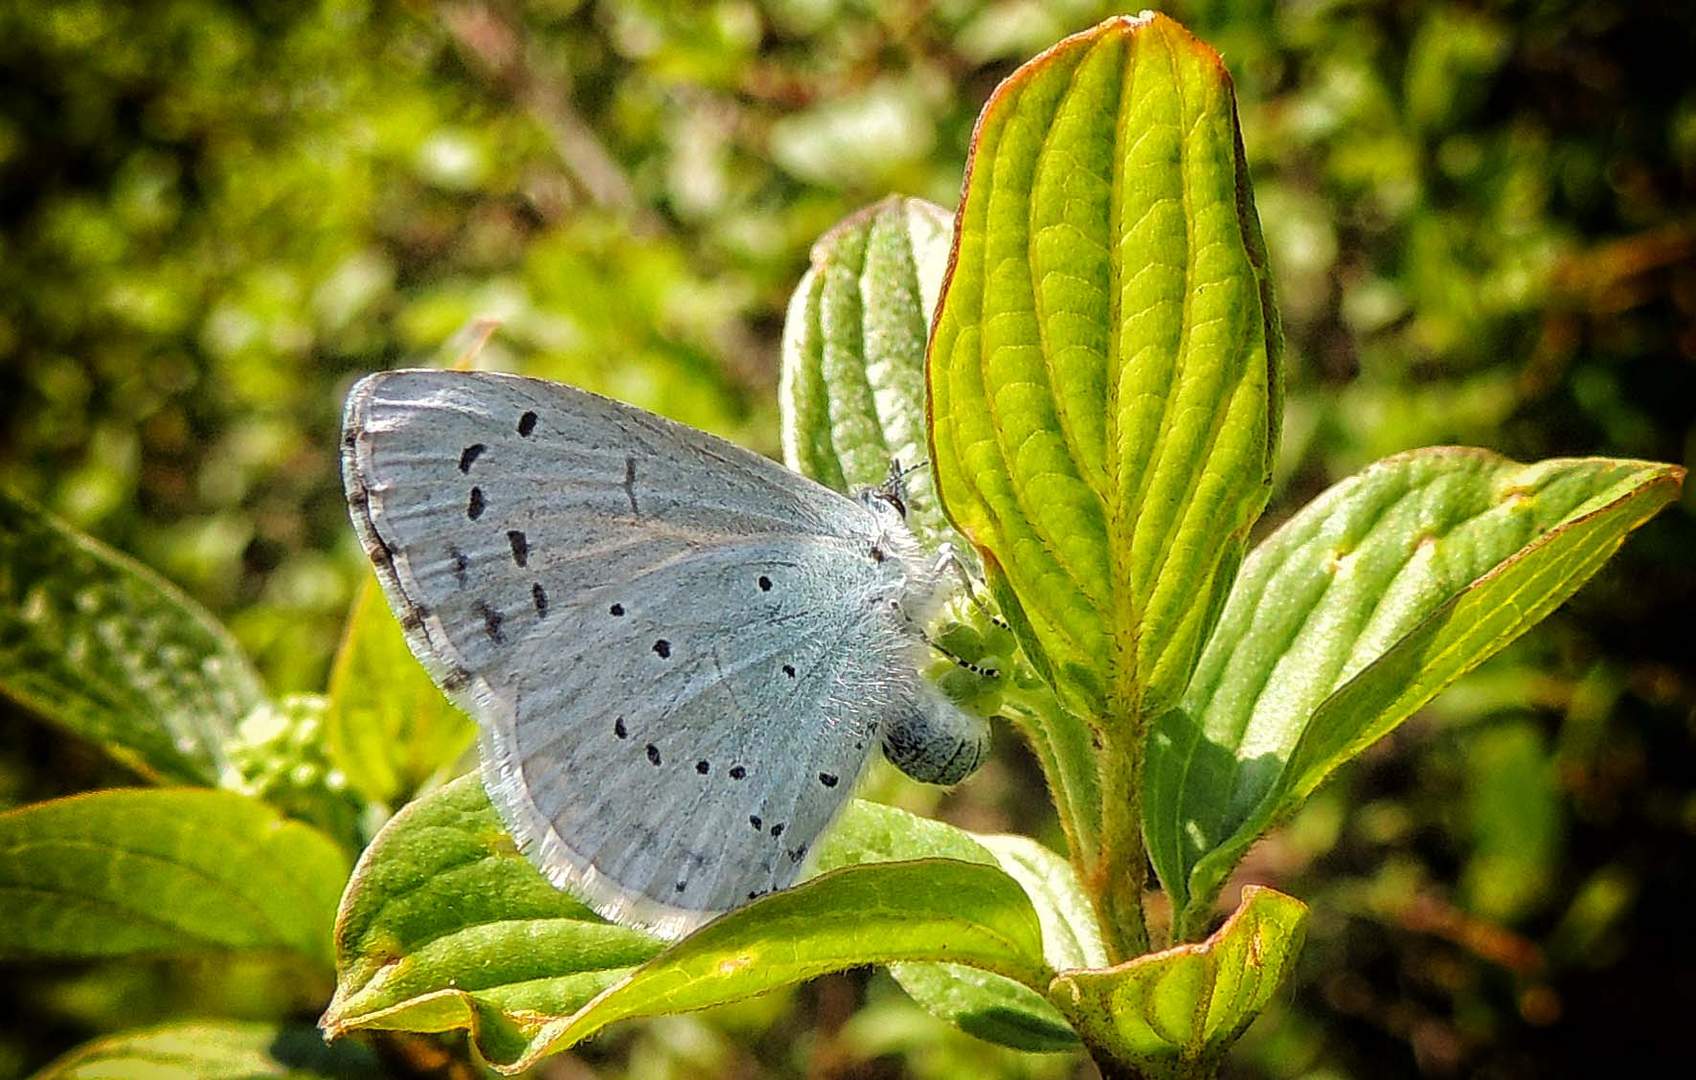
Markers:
(663, 636)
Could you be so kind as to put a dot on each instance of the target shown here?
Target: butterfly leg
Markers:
(933, 740)
(948, 561)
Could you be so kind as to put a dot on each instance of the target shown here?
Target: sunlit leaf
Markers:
(445, 925)
(853, 387)
(388, 728)
(103, 647)
(1355, 613)
(987, 1005)
(1104, 371)
(131, 870)
(875, 913)
(1174, 1013)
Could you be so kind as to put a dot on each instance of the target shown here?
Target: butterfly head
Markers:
(892, 493)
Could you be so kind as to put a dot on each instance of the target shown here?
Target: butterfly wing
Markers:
(666, 639)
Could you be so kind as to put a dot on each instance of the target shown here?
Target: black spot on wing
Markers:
(520, 546)
(653, 753)
(777, 830)
(539, 596)
(616, 610)
(527, 424)
(492, 620)
(754, 820)
(680, 886)
(765, 583)
(827, 779)
(703, 767)
(663, 648)
(629, 484)
(789, 670)
(470, 454)
(737, 772)
(619, 729)
(474, 505)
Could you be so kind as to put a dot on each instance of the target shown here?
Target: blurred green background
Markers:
(214, 215)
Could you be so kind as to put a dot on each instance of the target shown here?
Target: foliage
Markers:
(198, 251)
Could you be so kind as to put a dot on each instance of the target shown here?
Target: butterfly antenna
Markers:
(959, 661)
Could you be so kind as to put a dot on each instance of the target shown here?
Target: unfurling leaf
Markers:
(1174, 1013)
(446, 925)
(853, 388)
(990, 1006)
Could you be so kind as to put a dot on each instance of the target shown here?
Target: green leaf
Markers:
(1174, 1013)
(445, 925)
(877, 913)
(214, 1050)
(128, 871)
(1513, 803)
(103, 647)
(853, 383)
(989, 1006)
(389, 728)
(1104, 372)
(1070, 937)
(1355, 613)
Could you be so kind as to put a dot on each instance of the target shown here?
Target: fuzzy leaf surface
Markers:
(1104, 372)
(852, 393)
(1355, 613)
(105, 648)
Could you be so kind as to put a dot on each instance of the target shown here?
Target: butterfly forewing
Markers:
(660, 633)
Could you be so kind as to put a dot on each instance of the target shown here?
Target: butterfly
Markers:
(680, 655)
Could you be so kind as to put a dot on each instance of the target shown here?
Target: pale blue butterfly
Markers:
(679, 653)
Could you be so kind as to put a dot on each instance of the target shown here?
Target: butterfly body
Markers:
(679, 653)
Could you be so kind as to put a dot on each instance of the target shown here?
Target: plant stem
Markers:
(1062, 746)
(1120, 873)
